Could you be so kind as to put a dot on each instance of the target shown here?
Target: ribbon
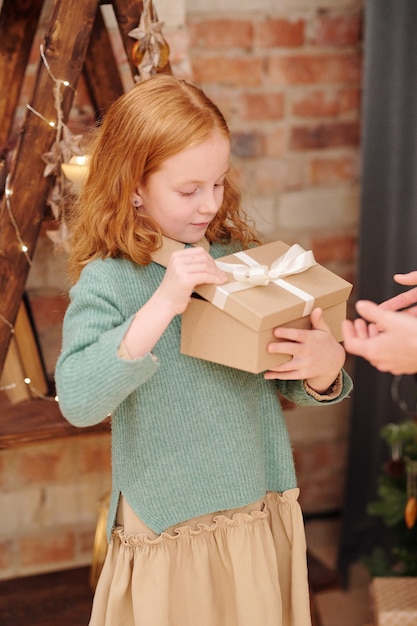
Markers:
(253, 274)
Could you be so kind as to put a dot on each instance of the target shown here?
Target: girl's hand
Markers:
(186, 269)
(316, 355)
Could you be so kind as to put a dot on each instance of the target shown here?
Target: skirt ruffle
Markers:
(243, 569)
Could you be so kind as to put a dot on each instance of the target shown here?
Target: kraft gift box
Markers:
(269, 286)
(394, 601)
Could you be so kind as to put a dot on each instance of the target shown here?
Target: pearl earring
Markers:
(136, 202)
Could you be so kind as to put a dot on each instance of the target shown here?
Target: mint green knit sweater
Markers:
(189, 437)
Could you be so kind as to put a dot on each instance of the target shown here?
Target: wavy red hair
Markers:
(155, 120)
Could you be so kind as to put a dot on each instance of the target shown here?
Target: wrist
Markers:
(332, 391)
(321, 385)
(168, 302)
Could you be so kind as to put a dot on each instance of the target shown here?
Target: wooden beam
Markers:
(18, 23)
(128, 14)
(39, 420)
(65, 49)
(100, 68)
(23, 361)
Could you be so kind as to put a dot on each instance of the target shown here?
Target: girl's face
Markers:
(185, 193)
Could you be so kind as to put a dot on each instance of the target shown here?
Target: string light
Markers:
(8, 387)
(33, 390)
(9, 324)
(156, 53)
(151, 55)
(56, 152)
(8, 192)
(42, 117)
(37, 393)
(59, 125)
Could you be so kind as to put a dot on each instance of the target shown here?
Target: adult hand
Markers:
(385, 338)
(404, 300)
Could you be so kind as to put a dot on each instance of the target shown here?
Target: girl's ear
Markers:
(137, 199)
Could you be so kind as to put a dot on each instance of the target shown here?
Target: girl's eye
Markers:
(187, 193)
(219, 184)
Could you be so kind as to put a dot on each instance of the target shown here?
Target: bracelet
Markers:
(331, 393)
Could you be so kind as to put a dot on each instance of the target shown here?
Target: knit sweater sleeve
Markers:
(91, 378)
(295, 390)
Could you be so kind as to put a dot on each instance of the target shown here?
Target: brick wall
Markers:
(287, 75)
(49, 503)
(290, 86)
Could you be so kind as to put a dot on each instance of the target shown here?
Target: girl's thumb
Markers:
(317, 320)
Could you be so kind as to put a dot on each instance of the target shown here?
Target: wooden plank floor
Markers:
(58, 598)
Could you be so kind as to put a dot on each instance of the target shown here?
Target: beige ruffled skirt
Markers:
(244, 567)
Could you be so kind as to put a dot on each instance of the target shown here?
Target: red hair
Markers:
(155, 120)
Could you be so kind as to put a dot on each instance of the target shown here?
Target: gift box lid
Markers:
(281, 300)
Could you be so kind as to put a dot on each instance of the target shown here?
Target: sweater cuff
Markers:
(123, 353)
(331, 393)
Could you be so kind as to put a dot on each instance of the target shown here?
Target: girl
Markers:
(204, 523)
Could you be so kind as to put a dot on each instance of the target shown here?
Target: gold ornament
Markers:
(410, 513)
(150, 53)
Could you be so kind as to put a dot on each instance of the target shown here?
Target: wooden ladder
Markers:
(76, 41)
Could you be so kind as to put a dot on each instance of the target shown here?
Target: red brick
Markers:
(333, 248)
(45, 464)
(52, 547)
(235, 72)
(179, 44)
(322, 492)
(309, 69)
(320, 457)
(221, 34)
(85, 540)
(275, 142)
(280, 33)
(247, 145)
(320, 103)
(228, 101)
(263, 106)
(269, 175)
(95, 454)
(325, 136)
(337, 30)
(333, 170)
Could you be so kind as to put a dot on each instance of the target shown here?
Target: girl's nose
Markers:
(209, 203)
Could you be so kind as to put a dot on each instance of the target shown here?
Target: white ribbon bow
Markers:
(294, 261)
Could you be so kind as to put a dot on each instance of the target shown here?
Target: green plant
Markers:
(397, 504)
